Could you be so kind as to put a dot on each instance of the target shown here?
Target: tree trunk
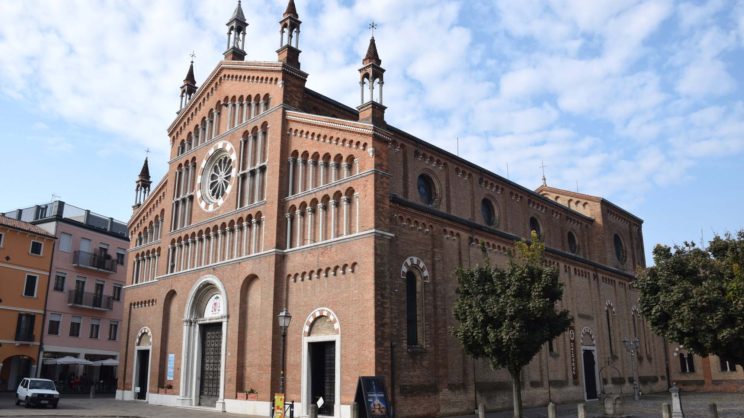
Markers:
(517, 393)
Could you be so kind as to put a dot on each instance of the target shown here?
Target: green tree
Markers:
(695, 296)
(506, 315)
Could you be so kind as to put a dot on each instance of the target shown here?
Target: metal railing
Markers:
(97, 261)
(25, 336)
(89, 300)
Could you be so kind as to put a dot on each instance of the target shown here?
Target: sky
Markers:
(638, 101)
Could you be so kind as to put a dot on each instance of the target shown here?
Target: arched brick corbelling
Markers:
(143, 331)
(317, 314)
(415, 263)
(609, 306)
(587, 331)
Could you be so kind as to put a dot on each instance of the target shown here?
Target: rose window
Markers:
(216, 176)
(220, 174)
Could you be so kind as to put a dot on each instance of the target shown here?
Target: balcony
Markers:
(89, 300)
(94, 261)
(24, 337)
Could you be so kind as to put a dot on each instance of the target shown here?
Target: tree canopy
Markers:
(506, 315)
(695, 296)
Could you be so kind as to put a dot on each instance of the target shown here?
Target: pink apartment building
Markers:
(84, 302)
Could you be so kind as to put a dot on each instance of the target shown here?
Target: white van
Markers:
(37, 392)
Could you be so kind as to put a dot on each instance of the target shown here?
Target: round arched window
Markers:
(488, 212)
(426, 190)
(619, 249)
(573, 245)
(535, 226)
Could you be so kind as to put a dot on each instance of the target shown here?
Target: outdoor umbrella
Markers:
(107, 362)
(74, 360)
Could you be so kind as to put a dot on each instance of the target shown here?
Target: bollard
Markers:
(291, 409)
(481, 410)
(713, 409)
(354, 410)
(313, 411)
(551, 410)
(92, 391)
(666, 410)
(582, 410)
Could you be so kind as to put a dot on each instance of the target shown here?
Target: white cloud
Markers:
(621, 95)
(696, 14)
(705, 78)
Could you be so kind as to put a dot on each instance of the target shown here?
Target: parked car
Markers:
(37, 392)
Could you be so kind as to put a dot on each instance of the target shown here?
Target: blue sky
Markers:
(638, 101)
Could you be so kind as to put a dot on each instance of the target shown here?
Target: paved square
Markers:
(695, 405)
(83, 406)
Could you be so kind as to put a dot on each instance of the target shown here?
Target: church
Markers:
(296, 244)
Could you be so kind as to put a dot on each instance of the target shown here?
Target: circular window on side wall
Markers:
(426, 189)
(620, 249)
(488, 212)
(573, 245)
(535, 226)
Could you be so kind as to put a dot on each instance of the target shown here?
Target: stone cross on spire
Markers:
(372, 27)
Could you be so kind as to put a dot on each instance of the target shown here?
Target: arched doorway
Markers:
(589, 364)
(321, 359)
(13, 369)
(205, 336)
(141, 373)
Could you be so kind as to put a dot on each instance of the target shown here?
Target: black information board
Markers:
(371, 398)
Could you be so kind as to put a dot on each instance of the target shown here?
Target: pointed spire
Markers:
(145, 172)
(190, 79)
(372, 57)
(291, 9)
(238, 14)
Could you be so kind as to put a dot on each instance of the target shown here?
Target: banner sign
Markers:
(171, 366)
(371, 398)
(572, 350)
(278, 405)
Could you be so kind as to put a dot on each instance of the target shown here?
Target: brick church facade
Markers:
(279, 198)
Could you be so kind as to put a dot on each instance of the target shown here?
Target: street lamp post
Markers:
(284, 318)
(632, 347)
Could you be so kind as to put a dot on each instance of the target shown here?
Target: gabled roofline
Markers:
(593, 198)
(255, 65)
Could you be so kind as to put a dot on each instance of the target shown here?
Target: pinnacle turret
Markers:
(236, 28)
(143, 185)
(371, 74)
(289, 42)
(188, 88)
